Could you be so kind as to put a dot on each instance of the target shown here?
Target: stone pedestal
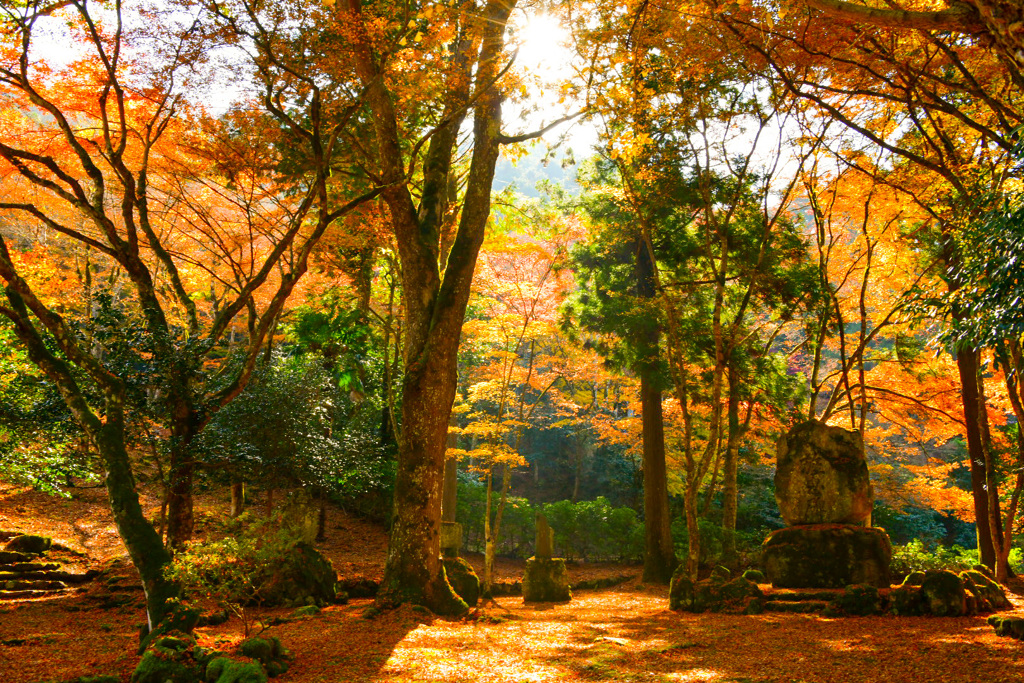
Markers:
(546, 580)
(827, 556)
(451, 539)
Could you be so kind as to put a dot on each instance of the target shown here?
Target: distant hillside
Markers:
(526, 173)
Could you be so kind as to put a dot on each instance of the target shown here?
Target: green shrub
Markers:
(586, 530)
(237, 571)
(916, 556)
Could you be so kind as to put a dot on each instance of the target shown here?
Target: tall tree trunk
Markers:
(659, 553)
(730, 493)
(436, 285)
(237, 498)
(967, 366)
(414, 572)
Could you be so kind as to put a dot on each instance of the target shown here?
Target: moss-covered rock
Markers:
(721, 574)
(463, 579)
(305, 576)
(545, 580)
(169, 658)
(821, 476)
(29, 543)
(827, 556)
(226, 670)
(755, 575)
(914, 579)
(269, 652)
(857, 600)
(906, 601)
(179, 618)
(710, 595)
(1010, 626)
(984, 570)
(680, 591)
(987, 591)
(943, 593)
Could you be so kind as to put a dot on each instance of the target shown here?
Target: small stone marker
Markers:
(545, 539)
(451, 539)
(545, 579)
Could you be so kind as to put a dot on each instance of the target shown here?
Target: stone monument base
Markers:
(827, 556)
(546, 580)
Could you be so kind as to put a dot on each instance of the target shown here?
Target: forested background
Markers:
(787, 216)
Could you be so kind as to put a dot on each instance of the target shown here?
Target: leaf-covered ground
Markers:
(619, 634)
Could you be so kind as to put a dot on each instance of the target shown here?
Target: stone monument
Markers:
(545, 579)
(824, 493)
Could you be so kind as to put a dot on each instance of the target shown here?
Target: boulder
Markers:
(27, 543)
(857, 600)
(905, 600)
(736, 596)
(545, 580)
(680, 592)
(169, 659)
(986, 590)
(178, 618)
(821, 476)
(721, 574)
(463, 579)
(226, 670)
(943, 594)
(755, 575)
(267, 651)
(303, 577)
(827, 556)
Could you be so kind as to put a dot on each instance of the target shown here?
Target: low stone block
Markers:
(827, 556)
(546, 580)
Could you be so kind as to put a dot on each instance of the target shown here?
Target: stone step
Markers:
(28, 567)
(796, 607)
(12, 556)
(21, 594)
(32, 585)
(801, 595)
(51, 575)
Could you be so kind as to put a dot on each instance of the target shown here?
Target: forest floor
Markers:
(624, 633)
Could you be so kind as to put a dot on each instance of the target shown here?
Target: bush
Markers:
(916, 556)
(240, 571)
(586, 530)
